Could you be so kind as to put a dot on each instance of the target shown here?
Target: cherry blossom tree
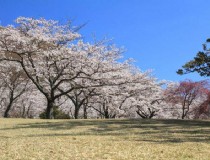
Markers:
(37, 47)
(53, 59)
(124, 100)
(187, 94)
(146, 98)
(61, 65)
(14, 85)
(203, 110)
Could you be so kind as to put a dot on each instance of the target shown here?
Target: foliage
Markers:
(53, 66)
(203, 110)
(13, 84)
(60, 64)
(200, 63)
(56, 114)
(188, 94)
(57, 63)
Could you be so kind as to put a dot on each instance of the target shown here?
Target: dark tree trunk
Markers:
(49, 110)
(28, 110)
(6, 113)
(183, 113)
(9, 106)
(146, 115)
(85, 112)
(183, 116)
(106, 111)
(76, 112)
(141, 115)
(106, 114)
(23, 113)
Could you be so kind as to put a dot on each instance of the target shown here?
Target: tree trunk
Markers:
(183, 114)
(23, 113)
(106, 114)
(85, 112)
(9, 106)
(6, 113)
(28, 110)
(49, 110)
(76, 112)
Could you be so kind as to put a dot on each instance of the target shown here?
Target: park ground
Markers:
(118, 139)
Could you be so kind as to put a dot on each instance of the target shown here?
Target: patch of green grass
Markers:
(123, 139)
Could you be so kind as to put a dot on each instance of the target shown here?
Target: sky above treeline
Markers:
(158, 34)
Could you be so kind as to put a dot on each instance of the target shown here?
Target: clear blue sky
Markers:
(159, 34)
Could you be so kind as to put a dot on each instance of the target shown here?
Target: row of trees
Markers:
(46, 66)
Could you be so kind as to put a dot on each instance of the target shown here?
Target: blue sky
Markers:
(159, 34)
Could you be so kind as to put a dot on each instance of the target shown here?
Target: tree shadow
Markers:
(155, 131)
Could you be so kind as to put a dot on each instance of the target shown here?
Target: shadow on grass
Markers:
(156, 131)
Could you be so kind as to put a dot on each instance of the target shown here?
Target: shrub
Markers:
(57, 114)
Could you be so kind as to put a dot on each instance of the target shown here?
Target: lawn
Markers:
(26, 139)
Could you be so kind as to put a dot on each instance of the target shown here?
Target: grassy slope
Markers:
(104, 139)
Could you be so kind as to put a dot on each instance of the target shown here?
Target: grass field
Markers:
(26, 139)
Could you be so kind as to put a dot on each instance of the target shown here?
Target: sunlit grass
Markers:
(26, 139)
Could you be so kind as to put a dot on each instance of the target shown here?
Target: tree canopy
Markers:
(200, 63)
(59, 64)
(47, 69)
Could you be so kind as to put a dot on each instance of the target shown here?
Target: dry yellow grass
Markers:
(27, 139)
